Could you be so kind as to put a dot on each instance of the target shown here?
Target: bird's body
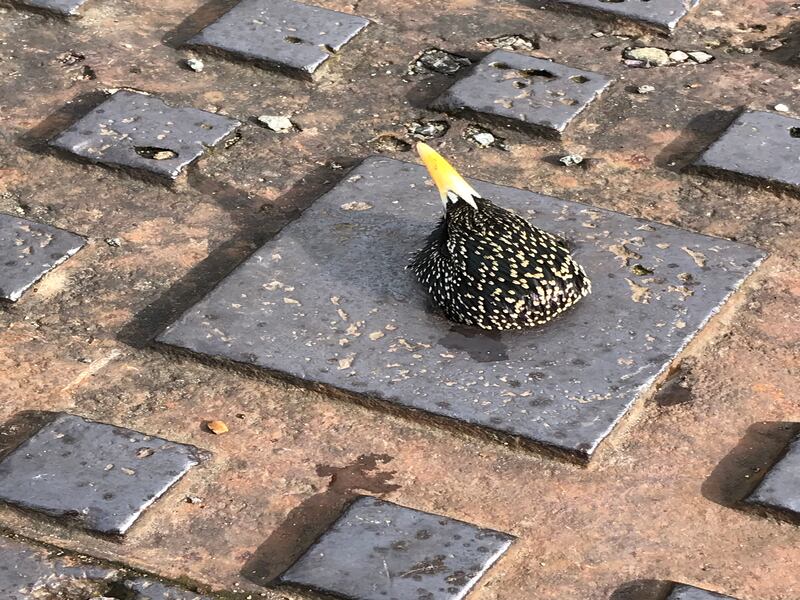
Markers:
(488, 267)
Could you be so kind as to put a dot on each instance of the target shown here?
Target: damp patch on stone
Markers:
(687, 592)
(397, 552)
(759, 146)
(281, 34)
(662, 14)
(140, 132)
(524, 92)
(100, 475)
(67, 8)
(780, 488)
(329, 300)
(28, 251)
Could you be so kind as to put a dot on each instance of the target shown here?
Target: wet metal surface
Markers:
(780, 488)
(140, 132)
(524, 91)
(381, 551)
(329, 300)
(101, 475)
(30, 572)
(760, 145)
(281, 34)
(687, 592)
(28, 251)
(661, 14)
(61, 7)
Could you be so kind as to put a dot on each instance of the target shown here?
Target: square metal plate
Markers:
(67, 8)
(29, 250)
(281, 34)
(659, 14)
(329, 300)
(780, 488)
(760, 145)
(379, 551)
(140, 132)
(101, 475)
(523, 91)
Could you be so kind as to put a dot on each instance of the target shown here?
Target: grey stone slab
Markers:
(281, 34)
(62, 7)
(140, 132)
(660, 14)
(328, 300)
(29, 571)
(687, 592)
(523, 91)
(101, 475)
(780, 488)
(30, 250)
(381, 551)
(760, 145)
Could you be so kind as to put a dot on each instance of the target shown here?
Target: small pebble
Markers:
(217, 427)
(678, 56)
(771, 45)
(781, 108)
(195, 64)
(701, 57)
(645, 89)
(114, 242)
(570, 160)
(276, 123)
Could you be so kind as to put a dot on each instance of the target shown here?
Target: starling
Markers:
(488, 267)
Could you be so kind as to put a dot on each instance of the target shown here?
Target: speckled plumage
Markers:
(490, 268)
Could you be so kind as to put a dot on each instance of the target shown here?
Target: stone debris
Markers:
(571, 160)
(390, 143)
(650, 56)
(277, 123)
(436, 60)
(195, 64)
(484, 138)
(645, 89)
(515, 43)
(427, 130)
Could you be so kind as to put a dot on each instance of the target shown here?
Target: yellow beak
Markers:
(446, 177)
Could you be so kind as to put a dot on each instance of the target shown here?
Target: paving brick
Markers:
(62, 7)
(780, 488)
(29, 250)
(281, 34)
(328, 300)
(687, 592)
(523, 91)
(101, 475)
(760, 145)
(140, 132)
(394, 553)
(664, 14)
(28, 571)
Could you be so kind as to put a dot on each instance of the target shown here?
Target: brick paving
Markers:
(661, 500)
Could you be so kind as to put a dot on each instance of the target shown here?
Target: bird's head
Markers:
(452, 186)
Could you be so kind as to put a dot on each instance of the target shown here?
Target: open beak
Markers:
(446, 177)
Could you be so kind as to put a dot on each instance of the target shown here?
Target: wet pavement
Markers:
(696, 432)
